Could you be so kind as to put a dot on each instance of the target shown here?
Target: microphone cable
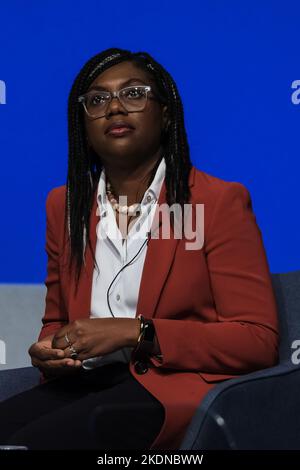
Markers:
(123, 267)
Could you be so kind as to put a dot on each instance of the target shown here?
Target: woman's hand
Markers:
(51, 361)
(97, 336)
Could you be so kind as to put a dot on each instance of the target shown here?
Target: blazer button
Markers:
(140, 367)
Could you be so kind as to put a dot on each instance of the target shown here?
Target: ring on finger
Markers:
(74, 353)
(67, 339)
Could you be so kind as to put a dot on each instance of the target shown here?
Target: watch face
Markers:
(149, 331)
(146, 344)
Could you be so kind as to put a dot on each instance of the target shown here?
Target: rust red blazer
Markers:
(213, 309)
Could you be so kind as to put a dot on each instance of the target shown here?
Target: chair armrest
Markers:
(256, 411)
(14, 381)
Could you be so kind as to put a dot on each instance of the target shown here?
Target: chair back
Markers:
(287, 292)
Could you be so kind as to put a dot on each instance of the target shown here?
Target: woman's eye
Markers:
(134, 93)
(97, 99)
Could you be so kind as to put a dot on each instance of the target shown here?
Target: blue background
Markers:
(234, 63)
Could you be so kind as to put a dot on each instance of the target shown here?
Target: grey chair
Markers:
(256, 411)
(260, 410)
(22, 307)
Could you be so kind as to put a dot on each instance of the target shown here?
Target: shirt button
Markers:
(148, 198)
(118, 297)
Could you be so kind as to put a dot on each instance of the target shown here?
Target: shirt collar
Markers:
(151, 193)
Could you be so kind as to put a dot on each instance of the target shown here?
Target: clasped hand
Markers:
(88, 337)
(96, 337)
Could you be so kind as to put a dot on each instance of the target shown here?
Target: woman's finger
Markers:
(43, 353)
(73, 351)
(64, 363)
(56, 364)
(62, 342)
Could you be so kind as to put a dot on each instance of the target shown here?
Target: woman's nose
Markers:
(114, 106)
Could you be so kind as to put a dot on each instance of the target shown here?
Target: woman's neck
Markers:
(132, 183)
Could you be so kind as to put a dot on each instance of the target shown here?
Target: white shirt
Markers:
(111, 255)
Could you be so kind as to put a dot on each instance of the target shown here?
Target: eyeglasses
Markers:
(132, 98)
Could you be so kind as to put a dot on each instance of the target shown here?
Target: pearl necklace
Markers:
(130, 210)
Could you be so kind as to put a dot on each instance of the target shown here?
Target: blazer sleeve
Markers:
(245, 336)
(55, 315)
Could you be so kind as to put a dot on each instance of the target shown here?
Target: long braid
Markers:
(84, 166)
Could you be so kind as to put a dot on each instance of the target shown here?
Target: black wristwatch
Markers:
(145, 343)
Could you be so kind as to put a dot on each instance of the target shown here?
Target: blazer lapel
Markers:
(157, 265)
(158, 262)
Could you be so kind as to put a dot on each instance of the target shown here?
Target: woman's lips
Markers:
(120, 131)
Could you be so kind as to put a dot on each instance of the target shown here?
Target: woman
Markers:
(138, 327)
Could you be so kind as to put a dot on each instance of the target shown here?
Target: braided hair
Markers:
(84, 165)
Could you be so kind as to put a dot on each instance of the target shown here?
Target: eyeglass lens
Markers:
(132, 98)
